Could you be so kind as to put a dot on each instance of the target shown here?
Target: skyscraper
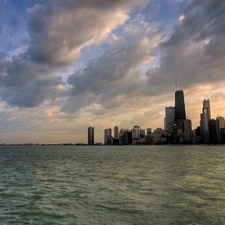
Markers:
(187, 134)
(116, 132)
(90, 135)
(169, 119)
(220, 125)
(107, 136)
(204, 123)
(212, 132)
(149, 131)
(110, 132)
(136, 132)
(187, 128)
(180, 114)
(206, 106)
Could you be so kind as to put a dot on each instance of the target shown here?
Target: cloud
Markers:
(113, 82)
(114, 77)
(196, 50)
(57, 33)
(60, 30)
(24, 83)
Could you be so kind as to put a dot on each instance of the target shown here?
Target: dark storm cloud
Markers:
(25, 84)
(203, 19)
(195, 52)
(18, 72)
(33, 94)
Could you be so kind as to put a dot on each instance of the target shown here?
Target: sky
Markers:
(66, 65)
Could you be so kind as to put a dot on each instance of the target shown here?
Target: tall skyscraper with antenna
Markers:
(180, 114)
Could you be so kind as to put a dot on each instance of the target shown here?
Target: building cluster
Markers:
(177, 128)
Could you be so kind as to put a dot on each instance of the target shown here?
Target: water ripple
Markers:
(112, 185)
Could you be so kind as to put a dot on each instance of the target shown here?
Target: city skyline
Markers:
(177, 128)
(69, 65)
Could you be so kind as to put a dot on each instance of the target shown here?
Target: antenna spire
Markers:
(176, 83)
(181, 86)
(180, 83)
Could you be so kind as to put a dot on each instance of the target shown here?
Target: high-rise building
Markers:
(91, 135)
(136, 132)
(121, 132)
(222, 135)
(169, 119)
(142, 133)
(107, 136)
(204, 125)
(149, 138)
(180, 114)
(197, 138)
(204, 122)
(127, 139)
(149, 131)
(110, 132)
(187, 128)
(198, 131)
(187, 134)
(158, 130)
(116, 132)
(212, 132)
(219, 126)
(206, 106)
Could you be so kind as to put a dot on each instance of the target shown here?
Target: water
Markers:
(112, 185)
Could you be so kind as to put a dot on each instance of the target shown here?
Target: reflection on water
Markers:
(112, 185)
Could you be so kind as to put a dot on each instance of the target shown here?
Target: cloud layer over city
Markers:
(66, 65)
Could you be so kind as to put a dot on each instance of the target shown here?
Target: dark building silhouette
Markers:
(91, 135)
(220, 125)
(127, 137)
(180, 114)
(198, 131)
(212, 132)
(110, 132)
(175, 138)
(222, 134)
(169, 119)
(197, 139)
(116, 141)
(116, 132)
(187, 134)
